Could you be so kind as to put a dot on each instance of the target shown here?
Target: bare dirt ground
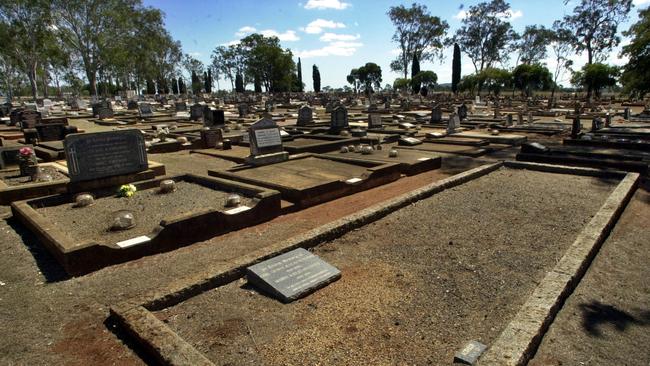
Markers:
(416, 285)
(606, 321)
(54, 319)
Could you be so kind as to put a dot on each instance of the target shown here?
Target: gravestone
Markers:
(436, 114)
(608, 120)
(509, 120)
(305, 116)
(462, 112)
(374, 120)
(520, 118)
(453, 124)
(530, 118)
(470, 353)
(243, 110)
(596, 124)
(339, 119)
(104, 113)
(292, 275)
(196, 112)
(213, 117)
(626, 114)
(265, 143)
(103, 154)
(48, 132)
(210, 138)
(576, 127)
(132, 105)
(180, 107)
(144, 110)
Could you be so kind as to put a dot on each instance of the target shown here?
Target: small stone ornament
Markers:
(83, 200)
(233, 200)
(366, 150)
(122, 220)
(344, 149)
(351, 148)
(494, 132)
(392, 153)
(344, 133)
(167, 186)
(182, 139)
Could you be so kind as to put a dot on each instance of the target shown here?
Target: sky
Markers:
(339, 35)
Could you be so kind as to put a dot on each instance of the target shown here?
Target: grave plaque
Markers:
(144, 109)
(51, 132)
(374, 120)
(180, 106)
(132, 105)
(453, 124)
(104, 154)
(213, 117)
(292, 275)
(462, 112)
(305, 116)
(243, 110)
(104, 113)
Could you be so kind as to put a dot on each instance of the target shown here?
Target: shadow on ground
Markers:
(47, 264)
(596, 314)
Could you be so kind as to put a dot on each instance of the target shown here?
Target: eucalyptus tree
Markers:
(417, 33)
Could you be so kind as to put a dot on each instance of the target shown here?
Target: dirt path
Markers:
(606, 321)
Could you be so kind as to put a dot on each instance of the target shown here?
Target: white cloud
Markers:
(195, 54)
(640, 2)
(395, 51)
(288, 36)
(245, 30)
(331, 37)
(333, 49)
(510, 14)
(326, 4)
(231, 43)
(318, 25)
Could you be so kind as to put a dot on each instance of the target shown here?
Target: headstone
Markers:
(196, 112)
(339, 118)
(509, 120)
(292, 275)
(103, 154)
(626, 114)
(132, 105)
(576, 127)
(105, 113)
(596, 124)
(213, 117)
(374, 120)
(305, 116)
(436, 114)
(453, 124)
(180, 107)
(243, 110)
(608, 120)
(211, 137)
(530, 118)
(144, 110)
(520, 118)
(264, 137)
(462, 112)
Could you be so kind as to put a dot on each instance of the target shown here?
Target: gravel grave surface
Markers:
(13, 178)
(416, 285)
(149, 207)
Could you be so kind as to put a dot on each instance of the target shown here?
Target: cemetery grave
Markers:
(160, 215)
(347, 322)
(410, 161)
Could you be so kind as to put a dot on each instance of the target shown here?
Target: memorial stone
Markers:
(103, 154)
(144, 110)
(374, 120)
(462, 112)
(264, 137)
(305, 116)
(292, 275)
(339, 118)
(210, 138)
(436, 114)
(180, 107)
(453, 124)
(196, 112)
(132, 105)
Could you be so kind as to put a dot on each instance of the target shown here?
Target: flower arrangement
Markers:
(126, 190)
(27, 161)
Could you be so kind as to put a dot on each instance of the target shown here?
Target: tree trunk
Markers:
(32, 81)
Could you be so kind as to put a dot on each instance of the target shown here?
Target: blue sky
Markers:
(338, 35)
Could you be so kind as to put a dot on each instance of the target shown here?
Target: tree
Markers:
(354, 79)
(455, 69)
(636, 75)
(485, 34)
(560, 40)
(417, 33)
(415, 69)
(532, 44)
(315, 74)
(181, 86)
(302, 86)
(596, 76)
(594, 25)
(401, 84)
(370, 76)
(268, 63)
(25, 24)
(469, 83)
(528, 77)
(494, 79)
(207, 80)
(427, 79)
(174, 86)
(196, 83)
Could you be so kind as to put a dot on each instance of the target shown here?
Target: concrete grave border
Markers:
(518, 342)
(162, 343)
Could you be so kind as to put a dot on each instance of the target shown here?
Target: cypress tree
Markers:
(300, 88)
(181, 86)
(455, 69)
(415, 69)
(316, 76)
(174, 86)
